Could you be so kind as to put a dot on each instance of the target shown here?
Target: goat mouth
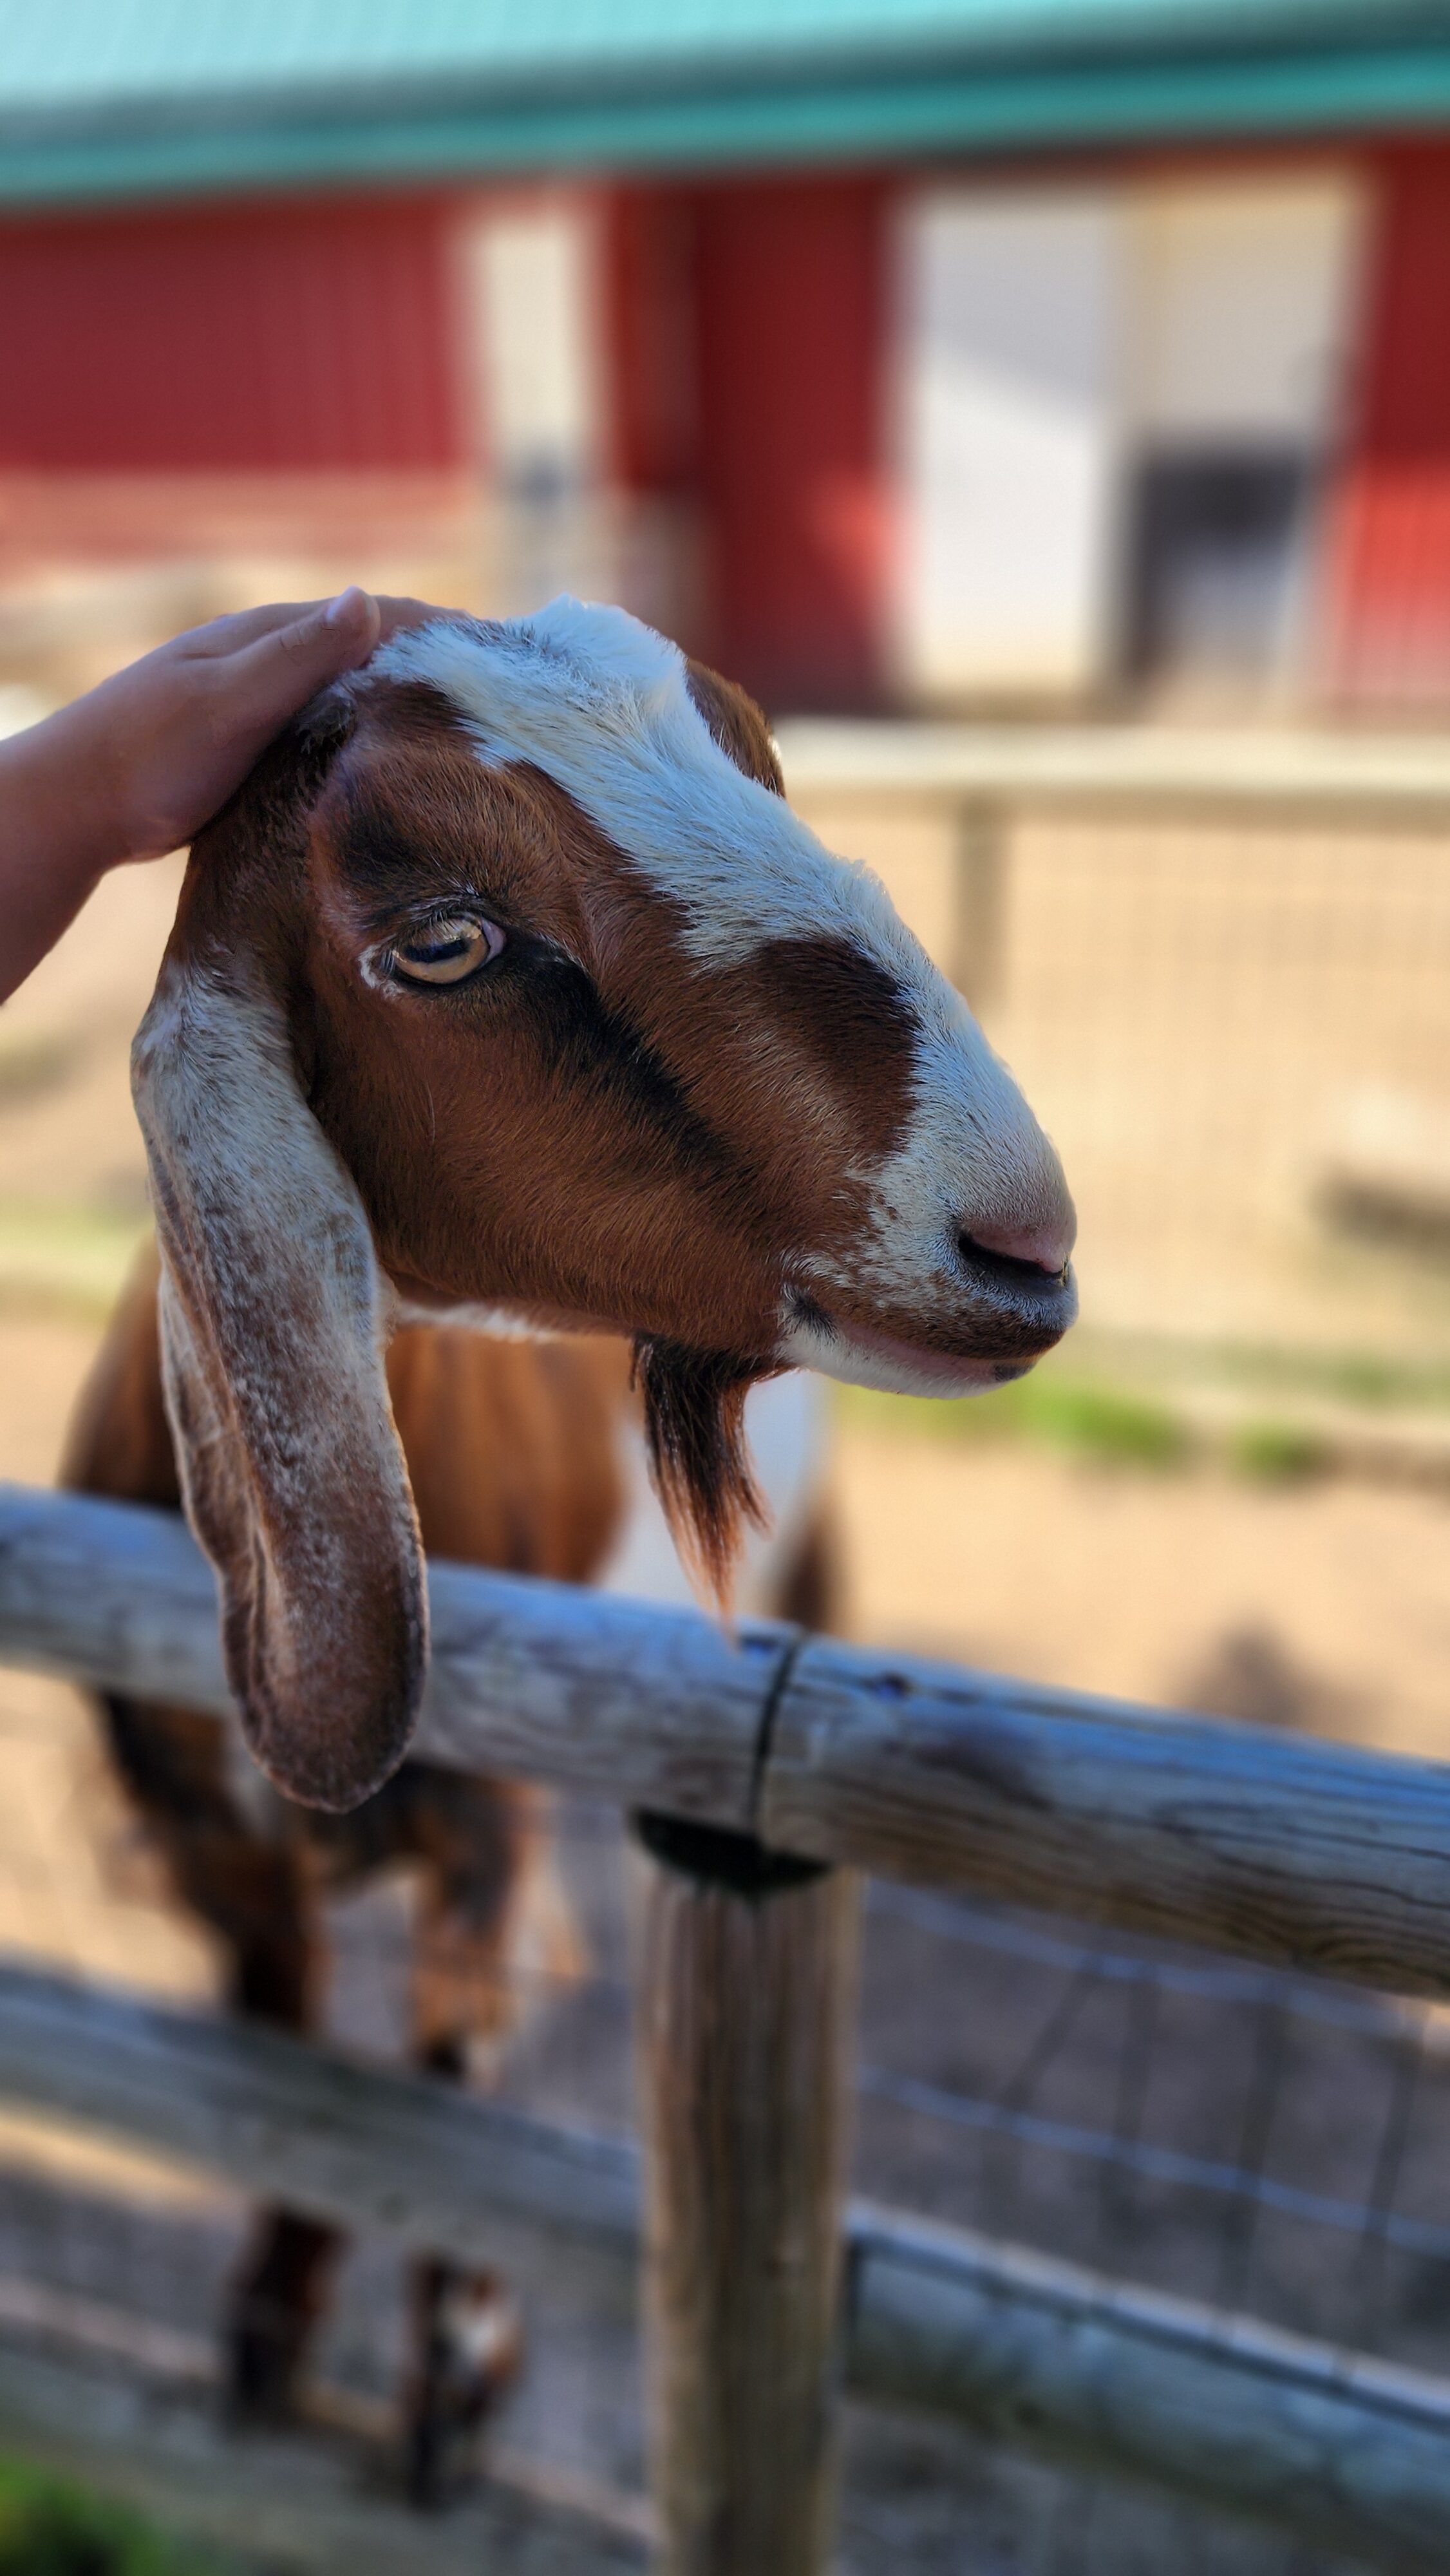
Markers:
(864, 1354)
(874, 1358)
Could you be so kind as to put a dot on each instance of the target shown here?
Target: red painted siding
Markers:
(279, 336)
(790, 292)
(1390, 525)
(652, 441)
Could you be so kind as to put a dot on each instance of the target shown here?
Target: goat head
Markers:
(510, 986)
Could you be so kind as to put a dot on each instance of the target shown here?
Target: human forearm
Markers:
(54, 842)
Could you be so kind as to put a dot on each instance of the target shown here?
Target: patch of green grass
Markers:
(1362, 1378)
(1084, 1416)
(1276, 1453)
(1368, 1378)
(50, 2528)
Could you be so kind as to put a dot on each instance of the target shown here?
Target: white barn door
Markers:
(1009, 367)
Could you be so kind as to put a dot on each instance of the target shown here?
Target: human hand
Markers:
(158, 748)
(136, 766)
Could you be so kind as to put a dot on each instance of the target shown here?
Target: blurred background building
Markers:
(1011, 351)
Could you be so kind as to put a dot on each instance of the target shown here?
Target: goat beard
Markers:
(694, 1425)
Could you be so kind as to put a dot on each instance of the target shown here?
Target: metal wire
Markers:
(985, 1928)
(1153, 2163)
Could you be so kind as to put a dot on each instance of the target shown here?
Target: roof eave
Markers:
(918, 114)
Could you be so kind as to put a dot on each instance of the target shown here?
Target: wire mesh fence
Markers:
(1272, 2144)
(1230, 1011)
(1238, 1031)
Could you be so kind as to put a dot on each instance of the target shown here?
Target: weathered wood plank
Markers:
(319, 2131)
(745, 1987)
(109, 1593)
(1239, 1837)
(1248, 1840)
(1338, 2449)
(653, 1707)
(1350, 780)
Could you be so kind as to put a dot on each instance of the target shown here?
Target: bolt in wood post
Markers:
(745, 1996)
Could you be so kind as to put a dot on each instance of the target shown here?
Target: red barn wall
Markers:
(790, 315)
(318, 346)
(1390, 516)
(651, 445)
(288, 336)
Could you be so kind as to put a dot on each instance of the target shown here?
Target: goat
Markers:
(507, 993)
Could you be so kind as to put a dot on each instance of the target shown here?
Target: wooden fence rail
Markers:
(982, 778)
(754, 1763)
(1278, 1848)
(1313, 776)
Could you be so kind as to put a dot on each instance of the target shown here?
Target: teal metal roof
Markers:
(128, 98)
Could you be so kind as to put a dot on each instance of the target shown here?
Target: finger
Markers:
(270, 679)
(243, 626)
(406, 612)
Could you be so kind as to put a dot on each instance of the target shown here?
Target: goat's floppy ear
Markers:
(739, 726)
(271, 1328)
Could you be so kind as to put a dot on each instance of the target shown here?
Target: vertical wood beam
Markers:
(979, 902)
(745, 1997)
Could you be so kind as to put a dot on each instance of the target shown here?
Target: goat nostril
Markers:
(1042, 1251)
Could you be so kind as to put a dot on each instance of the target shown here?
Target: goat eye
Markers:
(447, 951)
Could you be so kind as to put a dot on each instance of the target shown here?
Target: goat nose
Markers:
(1046, 1246)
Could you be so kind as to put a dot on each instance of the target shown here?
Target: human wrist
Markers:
(63, 805)
(54, 846)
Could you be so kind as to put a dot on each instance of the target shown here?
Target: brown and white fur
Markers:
(699, 1088)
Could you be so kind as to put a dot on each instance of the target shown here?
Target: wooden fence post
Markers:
(745, 1994)
(980, 841)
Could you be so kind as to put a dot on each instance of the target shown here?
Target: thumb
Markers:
(275, 676)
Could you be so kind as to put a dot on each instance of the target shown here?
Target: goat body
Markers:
(508, 991)
(514, 1454)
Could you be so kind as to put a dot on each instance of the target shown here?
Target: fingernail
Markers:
(341, 609)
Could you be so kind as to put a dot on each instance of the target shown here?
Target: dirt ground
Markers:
(1325, 1606)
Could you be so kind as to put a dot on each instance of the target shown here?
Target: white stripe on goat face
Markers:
(601, 704)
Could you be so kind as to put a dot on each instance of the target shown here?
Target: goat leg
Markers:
(277, 2296)
(468, 2347)
(467, 2351)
